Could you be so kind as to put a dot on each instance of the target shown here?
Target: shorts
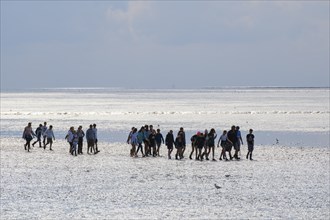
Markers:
(229, 146)
(28, 138)
(200, 146)
(250, 147)
(237, 146)
(50, 140)
(169, 146)
(223, 144)
(90, 142)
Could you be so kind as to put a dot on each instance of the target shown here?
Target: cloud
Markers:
(125, 18)
(166, 41)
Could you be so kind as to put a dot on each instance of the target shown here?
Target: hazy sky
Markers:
(164, 44)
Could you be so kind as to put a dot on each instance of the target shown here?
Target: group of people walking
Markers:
(45, 136)
(148, 141)
(202, 143)
(42, 133)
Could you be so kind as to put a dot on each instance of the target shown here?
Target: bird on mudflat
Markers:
(216, 186)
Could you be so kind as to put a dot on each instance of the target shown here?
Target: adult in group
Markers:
(96, 140)
(69, 138)
(222, 142)
(210, 143)
(50, 136)
(134, 142)
(200, 143)
(238, 143)
(159, 140)
(146, 142)
(140, 138)
(206, 139)
(183, 138)
(44, 129)
(193, 146)
(28, 136)
(90, 136)
(129, 137)
(169, 141)
(179, 146)
(81, 135)
(75, 141)
(232, 141)
(38, 133)
(152, 142)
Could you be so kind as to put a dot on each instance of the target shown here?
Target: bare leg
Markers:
(192, 151)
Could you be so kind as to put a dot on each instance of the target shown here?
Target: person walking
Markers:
(159, 140)
(50, 136)
(239, 142)
(200, 143)
(38, 133)
(129, 137)
(193, 146)
(140, 138)
(152, 143)
(96, 140)
(134, 142)
(250, 143)
(210, 143)
(232, 141)
(69, 138)
(206, 138)
(44, 129)
(147, 132)
(222, 142)
(169, 141)
(183, 138)
(179, 146)
(28, 136)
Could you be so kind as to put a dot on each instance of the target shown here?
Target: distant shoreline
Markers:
(212, 88)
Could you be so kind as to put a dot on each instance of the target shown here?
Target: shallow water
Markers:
(293, 116)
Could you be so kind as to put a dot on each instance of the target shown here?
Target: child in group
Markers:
(193, 146)
(159, 140)
(49, 136)
(222, 141)
(152, 143)
(210, 143)
(250, 143)
(206, 138)
(134, 142)
(28, 136)
(140, 138)
(200, 143)
(179, 146)
(38, 133)
(75, 141)
(169, 141)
